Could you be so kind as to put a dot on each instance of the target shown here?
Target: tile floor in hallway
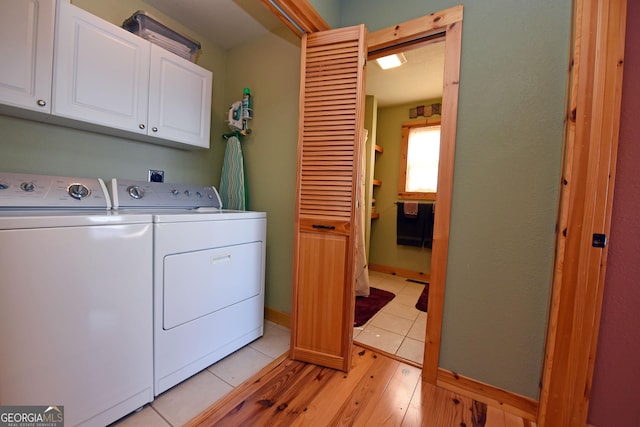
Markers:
(398, 328)
(181, 403)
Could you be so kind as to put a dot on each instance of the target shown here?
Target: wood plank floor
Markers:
(378, 391)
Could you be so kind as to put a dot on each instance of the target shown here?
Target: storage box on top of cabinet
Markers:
(149, 28)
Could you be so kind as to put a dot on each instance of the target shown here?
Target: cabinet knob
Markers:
(141, 126)
(155, 129)
(41, 102)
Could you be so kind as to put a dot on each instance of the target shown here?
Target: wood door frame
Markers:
(444, 25)
(591, 145)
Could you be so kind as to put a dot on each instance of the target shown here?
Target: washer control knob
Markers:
(135, 192)
(28, 186)
(175, 192)
(187, 193)
(78, 191)
(3, 185)
(198, 194)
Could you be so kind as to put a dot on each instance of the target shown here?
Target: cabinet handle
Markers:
(155, 129)
(141, 126)
(324, 227)
(41, 102)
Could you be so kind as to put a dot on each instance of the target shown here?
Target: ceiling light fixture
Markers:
(391, 61)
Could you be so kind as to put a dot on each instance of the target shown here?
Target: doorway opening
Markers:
(442, 26)
(407, 96)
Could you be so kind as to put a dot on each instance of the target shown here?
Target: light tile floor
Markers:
(181, 403)
(398, 328)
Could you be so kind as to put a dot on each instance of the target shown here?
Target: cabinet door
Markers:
(331, 125)
(179, 99)
(26, 49)
(100, 72)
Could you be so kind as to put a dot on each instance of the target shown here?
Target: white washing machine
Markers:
(208, 274)
(75, 300)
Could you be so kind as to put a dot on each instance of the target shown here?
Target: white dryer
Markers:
(208, 274)
(75, 300)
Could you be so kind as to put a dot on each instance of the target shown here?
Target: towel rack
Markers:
(432, 203)
(429, 202)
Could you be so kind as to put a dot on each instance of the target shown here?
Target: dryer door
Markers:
(202, 282)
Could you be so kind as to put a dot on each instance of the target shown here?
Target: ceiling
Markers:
(230, 23)
(420, 78)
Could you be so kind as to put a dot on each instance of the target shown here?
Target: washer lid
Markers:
(13, 219)
(29, 191)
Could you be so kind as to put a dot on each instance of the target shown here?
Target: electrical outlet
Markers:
(156, 175)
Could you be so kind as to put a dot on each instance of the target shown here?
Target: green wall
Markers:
(505, 189)
(329, 10)
(270, 66)
(384, 250)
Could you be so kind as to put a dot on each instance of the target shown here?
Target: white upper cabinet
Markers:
(179, 99)
(101, 72)
(98, 76)
(26, 49)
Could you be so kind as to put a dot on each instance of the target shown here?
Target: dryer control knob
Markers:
(135, 192)
(3, 185)
(175, 192)
(28, 186)
(78, 191)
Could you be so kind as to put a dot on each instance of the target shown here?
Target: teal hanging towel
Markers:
(232, 185)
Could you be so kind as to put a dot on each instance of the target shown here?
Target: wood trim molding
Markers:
(591, 144)
(298, 15)
(415, 29)
(409, 274)
(513, 403)
(277, 317)
(442, 220)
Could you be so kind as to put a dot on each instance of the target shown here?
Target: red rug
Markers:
(366, 307)
(423, 299)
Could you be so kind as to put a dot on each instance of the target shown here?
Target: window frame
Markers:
(402, 181)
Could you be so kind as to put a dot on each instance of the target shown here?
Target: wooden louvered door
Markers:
(330, 131)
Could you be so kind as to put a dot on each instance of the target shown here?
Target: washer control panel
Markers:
(127, 194)
(25, 191)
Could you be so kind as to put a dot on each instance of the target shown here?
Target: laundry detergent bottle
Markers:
(247, 112)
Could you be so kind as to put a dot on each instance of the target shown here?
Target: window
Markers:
(419, 159)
